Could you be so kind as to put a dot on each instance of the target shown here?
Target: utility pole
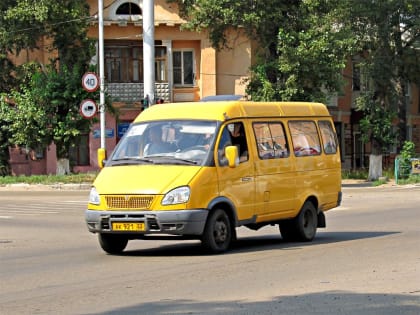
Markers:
(102, 149)
(149, 51)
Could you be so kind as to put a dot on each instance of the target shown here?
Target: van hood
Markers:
(143, 179)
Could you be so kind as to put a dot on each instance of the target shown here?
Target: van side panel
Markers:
(204, 188)
(317, 174)
(237, 184)
(274, 170)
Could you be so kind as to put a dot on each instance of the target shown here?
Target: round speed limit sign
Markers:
(90, 82)
(88, 108)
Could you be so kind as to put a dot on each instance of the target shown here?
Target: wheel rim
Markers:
(308, 223)
(220, 231)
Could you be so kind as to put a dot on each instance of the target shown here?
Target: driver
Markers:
(155, 144)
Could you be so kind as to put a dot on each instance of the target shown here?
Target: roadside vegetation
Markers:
(361, 174)
(49, 179)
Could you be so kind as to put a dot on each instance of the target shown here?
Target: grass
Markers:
(49, 179)
(89, 178)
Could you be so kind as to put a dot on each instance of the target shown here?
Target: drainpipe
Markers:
(149, 51)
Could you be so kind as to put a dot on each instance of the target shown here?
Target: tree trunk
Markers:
(63, 167)
(375, 167)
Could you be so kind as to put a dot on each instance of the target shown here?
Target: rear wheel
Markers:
(217, 234)
(112, 243)
(303, 227)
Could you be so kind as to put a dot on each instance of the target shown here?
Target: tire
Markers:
(303, 227)
(218, 234)
(288, 230)
(113, 244)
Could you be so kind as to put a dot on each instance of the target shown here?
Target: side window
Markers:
(237, 133)
(329, 139)
(233, 134)
(225, 140)
(271, 140)
(305, 138)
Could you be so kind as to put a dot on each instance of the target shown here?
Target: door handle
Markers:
(246, 179)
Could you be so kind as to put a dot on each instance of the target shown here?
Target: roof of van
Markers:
(224, 110)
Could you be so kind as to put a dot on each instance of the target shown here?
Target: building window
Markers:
(160, 64)
(124, 62)
(79, 154)
(183, 67)
(128, 8)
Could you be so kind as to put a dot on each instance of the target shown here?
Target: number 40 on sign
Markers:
(90, 82)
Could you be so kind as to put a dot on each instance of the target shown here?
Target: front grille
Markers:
(127, 202)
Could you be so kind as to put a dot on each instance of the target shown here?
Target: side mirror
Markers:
(232, 156)
(101, 157)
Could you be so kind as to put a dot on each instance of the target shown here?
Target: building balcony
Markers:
(134, 92)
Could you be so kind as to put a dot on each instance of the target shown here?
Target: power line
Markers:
(54, 24)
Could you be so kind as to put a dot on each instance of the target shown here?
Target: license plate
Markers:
(128, 226)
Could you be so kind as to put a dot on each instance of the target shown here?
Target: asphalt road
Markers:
(367, 261)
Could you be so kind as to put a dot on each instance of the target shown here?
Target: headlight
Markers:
(178, 195)
(94, 197)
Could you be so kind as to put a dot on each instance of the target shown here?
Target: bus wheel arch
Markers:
(301, 228)
(219, 231)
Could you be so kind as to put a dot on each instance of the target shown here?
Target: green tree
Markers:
(302, 46)
(47, 96)
(58, 94)
(387, 33)
(5, 134)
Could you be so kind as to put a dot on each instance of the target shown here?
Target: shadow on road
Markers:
(251, 244)
(328, 302)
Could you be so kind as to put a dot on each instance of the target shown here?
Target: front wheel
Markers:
(217, 234)
(113, 244)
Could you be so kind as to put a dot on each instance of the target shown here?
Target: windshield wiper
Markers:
(130, 160)
(163, 159)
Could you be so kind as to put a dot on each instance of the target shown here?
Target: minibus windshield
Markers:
(185, 142)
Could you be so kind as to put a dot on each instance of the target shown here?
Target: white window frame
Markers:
(182, 51)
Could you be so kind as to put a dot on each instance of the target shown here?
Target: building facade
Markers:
(187, 68)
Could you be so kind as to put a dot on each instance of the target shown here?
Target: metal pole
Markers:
(101, 72)
(149, 50)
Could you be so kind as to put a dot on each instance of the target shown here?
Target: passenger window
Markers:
(237, 132)
(225, 140)
(305, 138)
(271, 140)
(329, 139)
(233, 134)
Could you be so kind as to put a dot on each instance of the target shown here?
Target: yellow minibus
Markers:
(199, 170)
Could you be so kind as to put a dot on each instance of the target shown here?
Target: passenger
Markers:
(156, 145)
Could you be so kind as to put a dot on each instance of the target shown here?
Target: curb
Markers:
(40, 187)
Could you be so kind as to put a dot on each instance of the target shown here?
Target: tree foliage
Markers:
(302, 47)
(45, 97)
(388, 33)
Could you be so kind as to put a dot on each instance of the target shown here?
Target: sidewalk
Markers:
(40, 187)
(346, 183)
(354, 183)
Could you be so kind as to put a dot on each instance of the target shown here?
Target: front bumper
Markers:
(181, 222)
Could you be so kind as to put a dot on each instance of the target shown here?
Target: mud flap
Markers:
(321, 220)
